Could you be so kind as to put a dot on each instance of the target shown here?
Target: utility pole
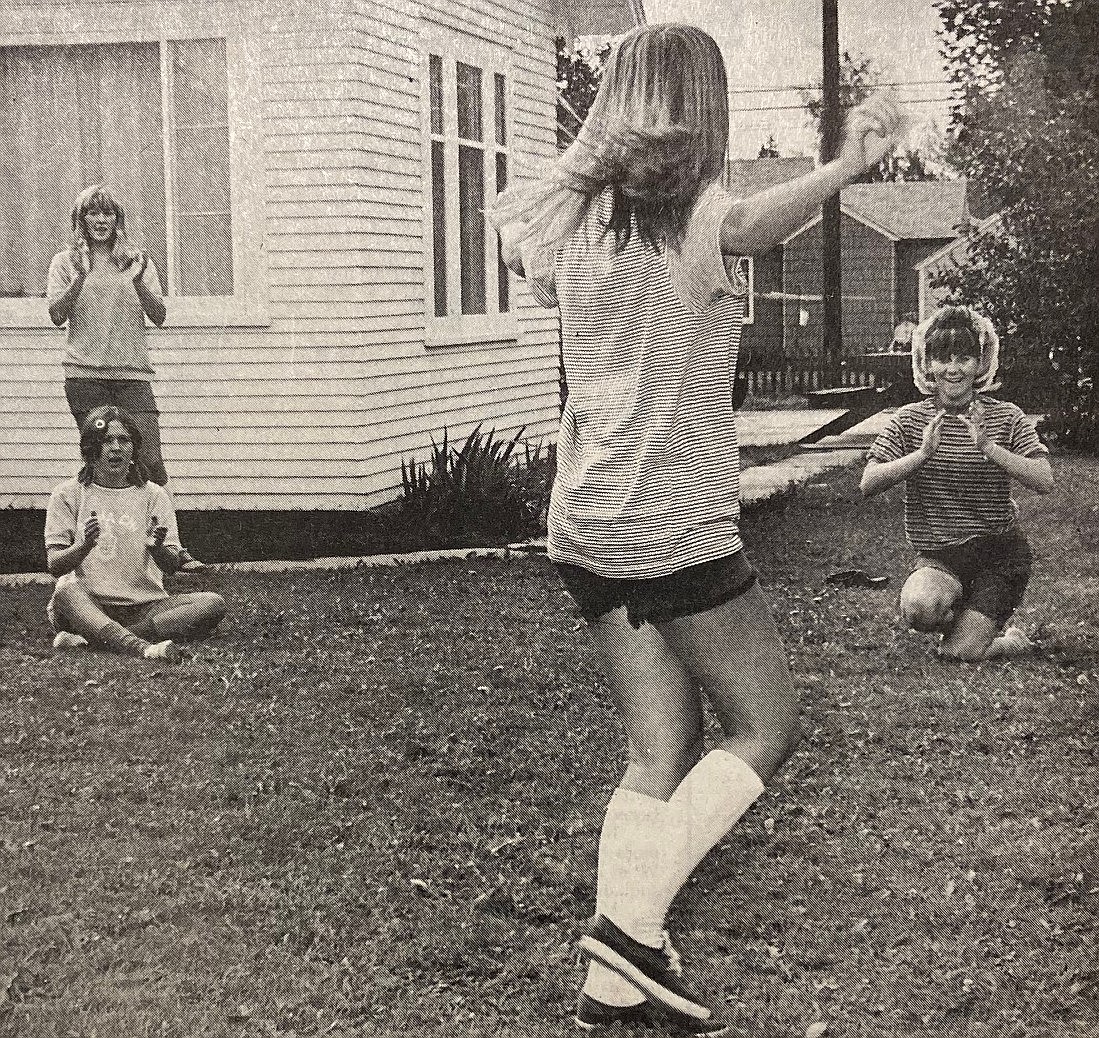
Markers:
(831, 126)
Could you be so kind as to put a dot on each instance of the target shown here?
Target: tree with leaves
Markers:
(769, 150)
(1027, 137)
(578, 74)
(861, 76)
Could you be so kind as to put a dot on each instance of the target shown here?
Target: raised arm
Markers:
(1033, 472)
(60, 561)
(764, 220)
(151, 302)
(881, 475)
(62, 293)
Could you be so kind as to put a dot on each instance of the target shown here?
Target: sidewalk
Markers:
(760, 483)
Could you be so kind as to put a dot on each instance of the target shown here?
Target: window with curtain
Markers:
(151, 125)
(468, 161)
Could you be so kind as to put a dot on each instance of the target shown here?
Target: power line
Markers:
(810, 86)
(795, 108)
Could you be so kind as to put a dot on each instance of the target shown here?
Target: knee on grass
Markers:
(968, 650)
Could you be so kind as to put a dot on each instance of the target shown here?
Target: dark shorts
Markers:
(993, 571)
(658, 599)
(132, 395)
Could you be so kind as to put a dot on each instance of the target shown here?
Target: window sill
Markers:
(471, 331)
(31, 314)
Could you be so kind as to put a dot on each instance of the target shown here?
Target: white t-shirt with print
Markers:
(119, 570)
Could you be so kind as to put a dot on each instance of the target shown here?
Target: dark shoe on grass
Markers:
(655, 972)
(188, 564)
(592, 1016)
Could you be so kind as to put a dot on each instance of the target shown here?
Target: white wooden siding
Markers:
(317, 408)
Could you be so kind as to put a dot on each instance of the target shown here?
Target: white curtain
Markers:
(70, 117)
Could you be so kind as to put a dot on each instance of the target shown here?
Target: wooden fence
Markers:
(767, 377)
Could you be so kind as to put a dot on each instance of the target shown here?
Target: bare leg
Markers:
(183, 617)
(735, 653)
(929, 600)
(77, 612)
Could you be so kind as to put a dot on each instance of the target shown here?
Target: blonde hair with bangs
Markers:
(100, 199)
(656, 134)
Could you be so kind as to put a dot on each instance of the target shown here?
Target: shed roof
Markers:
(902, 210)
(596, 17)
(744, 177)
(918, 209)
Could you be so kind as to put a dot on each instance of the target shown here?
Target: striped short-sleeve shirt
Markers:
(647, 462)
(959, 494)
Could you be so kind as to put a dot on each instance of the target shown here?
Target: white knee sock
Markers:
(704, 807)
(629, 840)
(649, 849)
(633, 837)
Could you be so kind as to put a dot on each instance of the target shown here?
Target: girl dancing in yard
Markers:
(957, 452)
(110, 535)
(631, 234)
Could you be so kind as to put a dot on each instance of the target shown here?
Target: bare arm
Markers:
(766, 219)
(151, 303)
(510, 236)
(61, 309)
(60, 561)
(881, 475)
(1031, 472)
(61, 306)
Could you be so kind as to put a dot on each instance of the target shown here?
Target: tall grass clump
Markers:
(479, 492)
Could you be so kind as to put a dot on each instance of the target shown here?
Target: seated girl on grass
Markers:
(957, 452)
(110, 536)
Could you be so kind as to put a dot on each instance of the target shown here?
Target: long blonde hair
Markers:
(656, 134)
(100, 199)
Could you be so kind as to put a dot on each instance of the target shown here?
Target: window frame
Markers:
(492, 59)
(248, 305)
(749, 271)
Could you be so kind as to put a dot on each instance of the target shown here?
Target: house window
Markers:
(467, 163)
(747, 270)
(150, 120)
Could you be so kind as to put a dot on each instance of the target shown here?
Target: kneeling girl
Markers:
(957, 452)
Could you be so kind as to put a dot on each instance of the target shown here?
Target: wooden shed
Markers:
(886, 230)
(310, 179)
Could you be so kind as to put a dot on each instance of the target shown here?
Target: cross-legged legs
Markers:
(175, 618)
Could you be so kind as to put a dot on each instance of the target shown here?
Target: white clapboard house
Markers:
(310, 179)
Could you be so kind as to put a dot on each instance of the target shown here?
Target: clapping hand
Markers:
(974, 421)
(82, 259)
(92, 531)
(871, 132)
(932, 434)
(139, 263)
(155, 533)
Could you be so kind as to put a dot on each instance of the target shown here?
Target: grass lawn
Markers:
(370, 806)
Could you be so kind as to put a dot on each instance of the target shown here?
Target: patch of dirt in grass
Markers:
(370, 805)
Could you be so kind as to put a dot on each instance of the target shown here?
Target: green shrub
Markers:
(476, 493)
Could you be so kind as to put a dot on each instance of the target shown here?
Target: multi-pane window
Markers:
(468, 168)
(149, 120)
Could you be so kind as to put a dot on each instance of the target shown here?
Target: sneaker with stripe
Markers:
(593, 1015)
(655, 972)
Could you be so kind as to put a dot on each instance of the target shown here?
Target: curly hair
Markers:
(93, 434)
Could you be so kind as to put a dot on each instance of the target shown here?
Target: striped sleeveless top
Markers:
(647, 458)
(959, 494)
